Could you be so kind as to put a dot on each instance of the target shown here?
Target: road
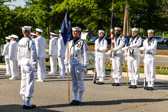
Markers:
(51, 96)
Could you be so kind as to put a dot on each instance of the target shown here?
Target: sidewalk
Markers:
(124, 74)
(158, 76)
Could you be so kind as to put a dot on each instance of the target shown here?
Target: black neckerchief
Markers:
(116, 37)
(133, 37)
(75, 40)
(149, 39)
(100, 38)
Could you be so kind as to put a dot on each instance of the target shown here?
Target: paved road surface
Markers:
(51, 96)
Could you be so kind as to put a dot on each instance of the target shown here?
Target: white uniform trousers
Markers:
(53, 63)
(133, 68)
(117, 67)
(14, 68)
(100, 66)
(8, 71)
(76, 72)
(61, 66)
(27, 81)
(149, 68)
(41, 69)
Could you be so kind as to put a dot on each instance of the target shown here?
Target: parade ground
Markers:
(51, 96)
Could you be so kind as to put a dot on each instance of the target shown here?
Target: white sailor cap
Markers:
(117, 28)
(26, 28)
(51, 33)
(14, 36)
(76, 29)
(39, 30)
(134, 29)
(33, 34)
(7, 38)
(101, 31)
(59, 31)
(150, 31)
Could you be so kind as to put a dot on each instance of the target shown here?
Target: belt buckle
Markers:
(115, 54)
(131, 54)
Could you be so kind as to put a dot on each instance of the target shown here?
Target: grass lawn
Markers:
(124, 69)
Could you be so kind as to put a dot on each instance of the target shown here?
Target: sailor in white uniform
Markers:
(41, 45)
(27, 59)
(149, 47)
(117, 56)
(33, 36)
(61, 56)
(78, 61)
(53, 53)
(100, 48)
(13, 49)
(6, 53)
(133, 58)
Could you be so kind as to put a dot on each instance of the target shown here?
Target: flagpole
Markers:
(68, 71)
(112, 44)
(68, 64)
(126, 30)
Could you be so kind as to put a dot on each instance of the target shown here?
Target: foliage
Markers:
(90, 15)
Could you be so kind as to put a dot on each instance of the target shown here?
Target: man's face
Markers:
(37, 33)
(150, 34)
(60, 35)
(134, 33)
(117, 32)
(101, 34)
(51, 36)
(76, 34)
(27, 33)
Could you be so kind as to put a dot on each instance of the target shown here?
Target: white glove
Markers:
(67, 66)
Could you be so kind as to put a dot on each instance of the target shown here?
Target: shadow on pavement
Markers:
(113, 102)
(18, 108)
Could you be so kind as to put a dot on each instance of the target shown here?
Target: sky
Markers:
(16, 3)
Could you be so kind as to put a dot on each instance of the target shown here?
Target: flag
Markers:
(66, 28)
(126, 25)
(111, 29)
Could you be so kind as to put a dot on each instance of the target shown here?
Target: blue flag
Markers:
(111, 26)
(66, 28)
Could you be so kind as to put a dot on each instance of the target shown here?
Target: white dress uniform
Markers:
(117, 58)
(100, 48)
(149, 60)
(41, 45)
(6, 53)
(27, 58)
(53, 52)
(13, 49)
(78, 61)
(61, 57)
(133, 59)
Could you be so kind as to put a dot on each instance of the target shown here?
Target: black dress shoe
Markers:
(98, 83)
(101, 83)
(134, 86)
(77, 103)
(73, 102)
(29, 107)
(151, 88)
(117, 84)
(130, 86)
(114, 84)
(146, 88)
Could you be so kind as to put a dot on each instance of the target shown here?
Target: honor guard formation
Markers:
(30, 53)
